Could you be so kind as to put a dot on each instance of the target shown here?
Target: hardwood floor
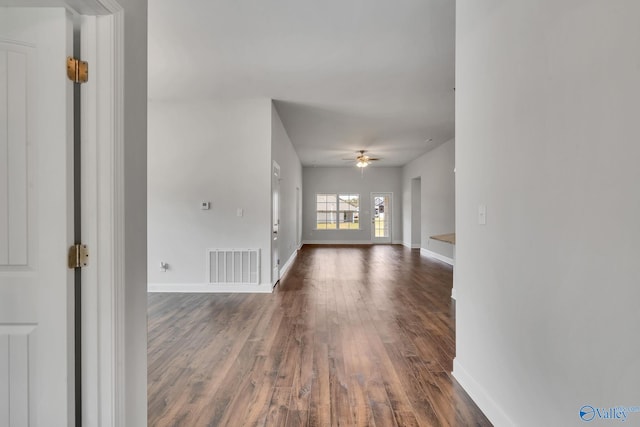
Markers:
(352, 336)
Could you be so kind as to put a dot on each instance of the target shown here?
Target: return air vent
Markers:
(233, 266)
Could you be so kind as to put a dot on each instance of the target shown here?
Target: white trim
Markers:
(263, 288)
(118, 311)
(336, 242)
(288, 264)
(79, 7)
(487, 405)
(346, 242)
(409, 245)
(453, 294)
(111, 6)
(341, 230)
(103, 222)
(276, 210)
(91, 280)
(431, 254)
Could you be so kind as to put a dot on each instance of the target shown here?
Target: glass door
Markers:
(381, 218)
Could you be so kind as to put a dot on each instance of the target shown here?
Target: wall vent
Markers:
(233, 266)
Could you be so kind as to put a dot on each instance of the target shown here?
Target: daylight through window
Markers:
(337, 211)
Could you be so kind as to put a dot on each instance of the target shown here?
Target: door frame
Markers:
(275, 222)
(103, 314)
(373, 208)
(416, 213)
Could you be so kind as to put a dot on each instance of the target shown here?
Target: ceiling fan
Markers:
(362, 160)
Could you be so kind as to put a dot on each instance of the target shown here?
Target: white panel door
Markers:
(36, 319)
(382, 216)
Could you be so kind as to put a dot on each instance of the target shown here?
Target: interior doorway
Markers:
(275, 203)
(416, 213)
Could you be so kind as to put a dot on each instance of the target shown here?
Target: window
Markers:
(326, 211)
(337, 211)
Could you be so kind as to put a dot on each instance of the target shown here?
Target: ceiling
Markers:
(345, 75)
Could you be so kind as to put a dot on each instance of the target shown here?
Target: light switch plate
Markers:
(482, 214)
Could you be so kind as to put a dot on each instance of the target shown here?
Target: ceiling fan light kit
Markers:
(362, 160)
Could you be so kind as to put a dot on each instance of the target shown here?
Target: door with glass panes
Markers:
(381, 217)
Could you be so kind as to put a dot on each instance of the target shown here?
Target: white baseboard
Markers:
(345, 242)
(336, 242)
(288, 264)
(263, 288)
(411, 245)
(453, 293)
(480, 396)
(428, 253)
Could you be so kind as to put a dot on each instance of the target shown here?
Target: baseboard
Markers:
(264, 288)
(336, 242)
(348, 242)
(288, 264)
(428, 253)
(453, 293)
(487, 405)
(411, 245)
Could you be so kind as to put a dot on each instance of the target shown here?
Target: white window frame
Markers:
(336, 212)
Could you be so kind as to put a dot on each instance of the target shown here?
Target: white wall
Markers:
(290, 184)
(135, 221)
(437, 209)
(350, 180)
(207, 151)
(547, 104)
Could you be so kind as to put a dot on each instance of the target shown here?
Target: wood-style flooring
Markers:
(352, 336)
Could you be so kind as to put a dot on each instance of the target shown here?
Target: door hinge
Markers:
(78, 256)
(77, 71)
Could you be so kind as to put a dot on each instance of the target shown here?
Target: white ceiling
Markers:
(345, 74)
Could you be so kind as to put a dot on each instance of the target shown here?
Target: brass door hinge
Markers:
(78, 256)
(77, 71)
